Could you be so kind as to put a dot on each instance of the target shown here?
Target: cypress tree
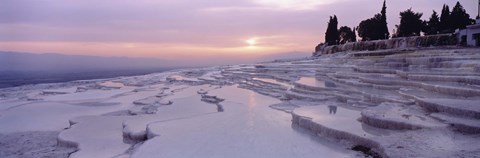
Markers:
(445, 20)
(459, 19)
(383, 22)
(331, 36)
(433, 24)
(328, 33)
(354, 35)
(335, 33)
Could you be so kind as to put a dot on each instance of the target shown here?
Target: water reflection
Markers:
(330, 84)
(252, 103)
(312, 81)
(220, 108)
(332, 109)
(339, 118)
(177, 77)
(268, 80)
(112, 84)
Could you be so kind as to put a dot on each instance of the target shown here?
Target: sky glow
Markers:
(221, 30)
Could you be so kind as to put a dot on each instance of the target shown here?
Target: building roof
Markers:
(474, 26)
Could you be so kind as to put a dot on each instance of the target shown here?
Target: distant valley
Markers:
(19, 68)
(27, 68)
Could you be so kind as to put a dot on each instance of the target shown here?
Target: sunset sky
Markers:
(196, 30)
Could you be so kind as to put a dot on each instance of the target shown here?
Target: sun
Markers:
(293, 4)
(251, 42)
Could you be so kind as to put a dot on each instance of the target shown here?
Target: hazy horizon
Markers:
(213, 32)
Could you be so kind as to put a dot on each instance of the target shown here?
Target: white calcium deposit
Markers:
(415, 103)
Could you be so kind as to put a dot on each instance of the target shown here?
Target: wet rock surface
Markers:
(32, 145)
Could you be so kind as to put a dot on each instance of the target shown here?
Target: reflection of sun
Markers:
(251, 42)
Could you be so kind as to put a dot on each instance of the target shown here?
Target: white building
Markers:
(471, 35)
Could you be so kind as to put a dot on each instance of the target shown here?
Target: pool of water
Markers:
(312, 81)
(182, 78)
(246, 128)
(339, 118)
(177, 77)
(268, 80)
(112, 84)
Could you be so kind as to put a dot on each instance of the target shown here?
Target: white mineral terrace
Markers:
(423, 103)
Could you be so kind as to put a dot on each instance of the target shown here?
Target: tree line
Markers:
(411, 24)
